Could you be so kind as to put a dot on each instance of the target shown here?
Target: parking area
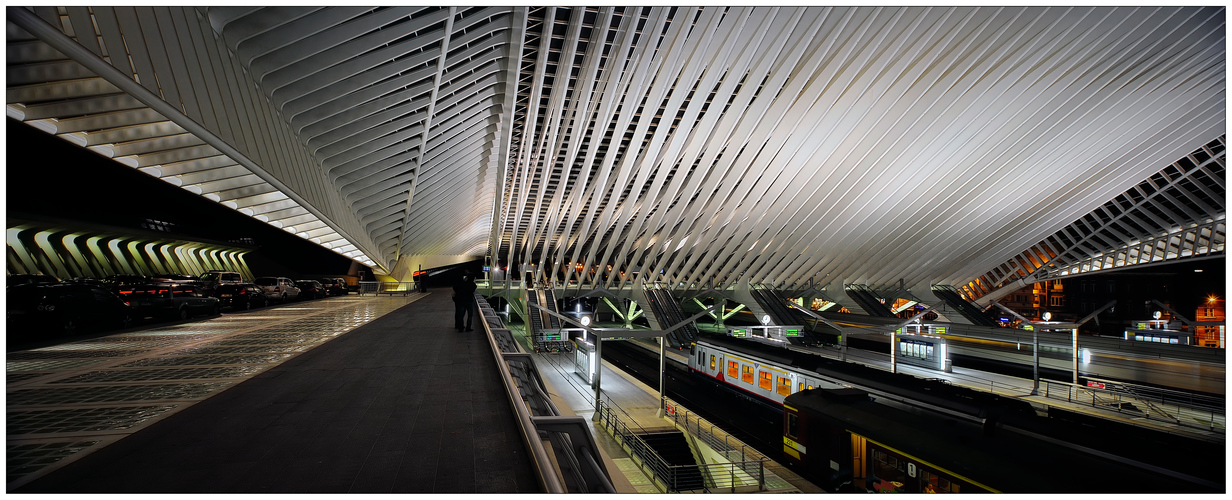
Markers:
(69, 399)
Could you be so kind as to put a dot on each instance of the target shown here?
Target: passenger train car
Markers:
(769, 374)
(851, 426)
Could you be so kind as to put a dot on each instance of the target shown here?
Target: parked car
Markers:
(240, 296)
(121, 280)
(30, 279)
(64, 309)
(212, 279)
(173, 278)
(277, 288)
(335, 286)
(169, 300)
(311, 289)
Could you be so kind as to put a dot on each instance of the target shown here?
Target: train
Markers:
(1008, 351)
(849, 427)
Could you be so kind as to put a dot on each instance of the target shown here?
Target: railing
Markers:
(389, 287)
(744, 475)
(715, 438)
(1185, 410)
(574, 464)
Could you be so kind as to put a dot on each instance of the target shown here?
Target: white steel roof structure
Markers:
(961, 146)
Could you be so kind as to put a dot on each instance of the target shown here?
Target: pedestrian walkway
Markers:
(341, 395)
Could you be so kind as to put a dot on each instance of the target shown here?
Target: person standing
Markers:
(464, 302)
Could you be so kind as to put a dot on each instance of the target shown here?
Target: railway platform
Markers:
(638, 407)
(340, 395)
(1019, 388)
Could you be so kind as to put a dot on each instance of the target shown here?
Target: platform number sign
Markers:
(910, 469)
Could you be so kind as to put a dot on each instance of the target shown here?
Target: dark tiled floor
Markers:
(402, 404)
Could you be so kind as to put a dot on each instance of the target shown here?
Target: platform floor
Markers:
(340, 395)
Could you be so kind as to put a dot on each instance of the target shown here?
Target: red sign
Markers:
(1097, 385)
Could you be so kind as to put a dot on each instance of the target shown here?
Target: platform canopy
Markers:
(691, 146)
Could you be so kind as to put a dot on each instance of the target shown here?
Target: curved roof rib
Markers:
(968, 146)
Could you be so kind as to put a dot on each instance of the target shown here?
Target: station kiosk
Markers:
(585, 362)
(917, 346)
(1156, 330)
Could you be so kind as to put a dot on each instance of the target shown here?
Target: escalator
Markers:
(549, 301)
(775, 304)
(973, 313)
(668, 312)
(536, 316)
(868, 301)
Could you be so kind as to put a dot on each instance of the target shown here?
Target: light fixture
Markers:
(765, 319)
(1156, 314)
(1047, 316)
(585, 320)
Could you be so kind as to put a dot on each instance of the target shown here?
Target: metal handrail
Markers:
(574, 451)
(721, 476)
(544, 470)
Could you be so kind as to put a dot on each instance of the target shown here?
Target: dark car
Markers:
(63, 309)
(240, 296)
(122, 280)
(173, 278)
(335, 286)
(30, 279)
(169, 300)
(311, 289)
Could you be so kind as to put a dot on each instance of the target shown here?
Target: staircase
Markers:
(674, 449)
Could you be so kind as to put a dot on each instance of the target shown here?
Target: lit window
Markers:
(784, 387)
(764, 379)
(711, 362)
(733, 369)
(746, 374)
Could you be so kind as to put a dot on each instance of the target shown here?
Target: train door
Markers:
(858, 471)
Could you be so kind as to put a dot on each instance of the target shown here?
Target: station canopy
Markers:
(974, 147)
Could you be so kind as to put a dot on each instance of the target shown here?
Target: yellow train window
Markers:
(711, 362)
(733, 369)
(784, 387)
(747, 374)
(764, 379)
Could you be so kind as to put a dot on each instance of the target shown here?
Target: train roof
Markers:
(1003, 460)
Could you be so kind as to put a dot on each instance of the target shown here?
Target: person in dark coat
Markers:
(464, 302)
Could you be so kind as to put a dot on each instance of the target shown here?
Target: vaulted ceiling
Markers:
(960, 145)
